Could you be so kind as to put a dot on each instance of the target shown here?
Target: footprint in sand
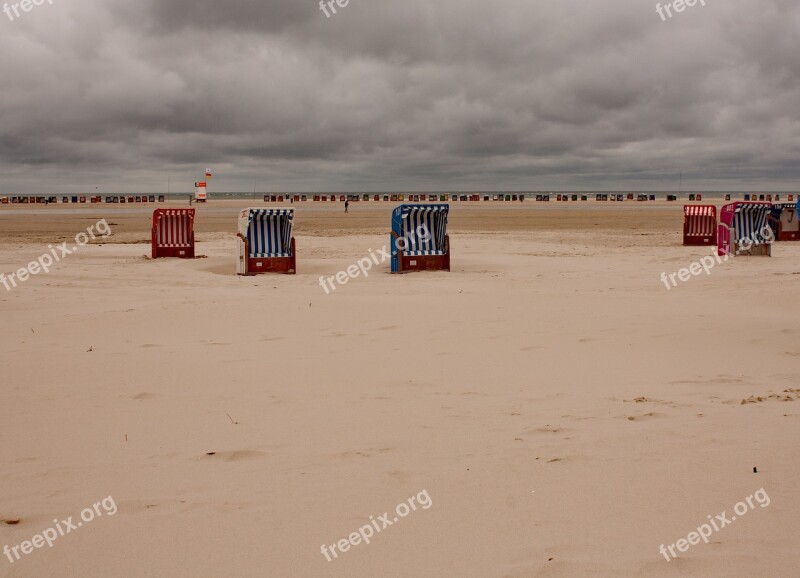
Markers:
(236, 456)
(651, 414)
(532, 348)
(143, 396)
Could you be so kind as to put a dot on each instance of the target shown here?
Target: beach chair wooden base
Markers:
(760, 250)
(410, 263)
(259, 265)
(700, 240)
(173, 252)
(789, 236)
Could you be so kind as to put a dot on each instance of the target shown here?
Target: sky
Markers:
(402, 95)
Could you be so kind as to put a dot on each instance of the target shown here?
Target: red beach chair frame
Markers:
(699, 225)
(183, 249)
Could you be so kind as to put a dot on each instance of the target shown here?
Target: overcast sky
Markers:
(399, 95)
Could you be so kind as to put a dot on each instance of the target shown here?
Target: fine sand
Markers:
(565, 412)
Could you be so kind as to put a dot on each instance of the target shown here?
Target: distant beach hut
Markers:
(162, 198)
(65, 199)
(4, 200)
(783, 220)
(265, 241)
(419, 239)
(743, 229)
(699, 225)
(630, 196)
(173, 233)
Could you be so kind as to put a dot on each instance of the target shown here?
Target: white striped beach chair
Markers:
(265, 241)
(419, 239)
(743, 229)
(173, 233)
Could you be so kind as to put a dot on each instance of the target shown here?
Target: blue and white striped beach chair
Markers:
(743, 229)
(783, 220)
(265, 242)
(419, 239)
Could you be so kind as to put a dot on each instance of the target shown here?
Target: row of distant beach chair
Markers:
(745, 227)
(418, 241)
(75, 199)
(412, 198)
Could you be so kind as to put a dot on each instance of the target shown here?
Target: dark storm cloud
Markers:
(400, 95)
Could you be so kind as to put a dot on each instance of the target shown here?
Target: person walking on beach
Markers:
(346, 205)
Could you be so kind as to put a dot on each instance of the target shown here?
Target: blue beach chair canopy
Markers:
(269, 232)
(422, 227)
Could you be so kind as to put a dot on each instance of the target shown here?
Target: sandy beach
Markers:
(565, 412)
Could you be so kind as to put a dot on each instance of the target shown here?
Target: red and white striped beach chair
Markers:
(699, 225)
(173, 233)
